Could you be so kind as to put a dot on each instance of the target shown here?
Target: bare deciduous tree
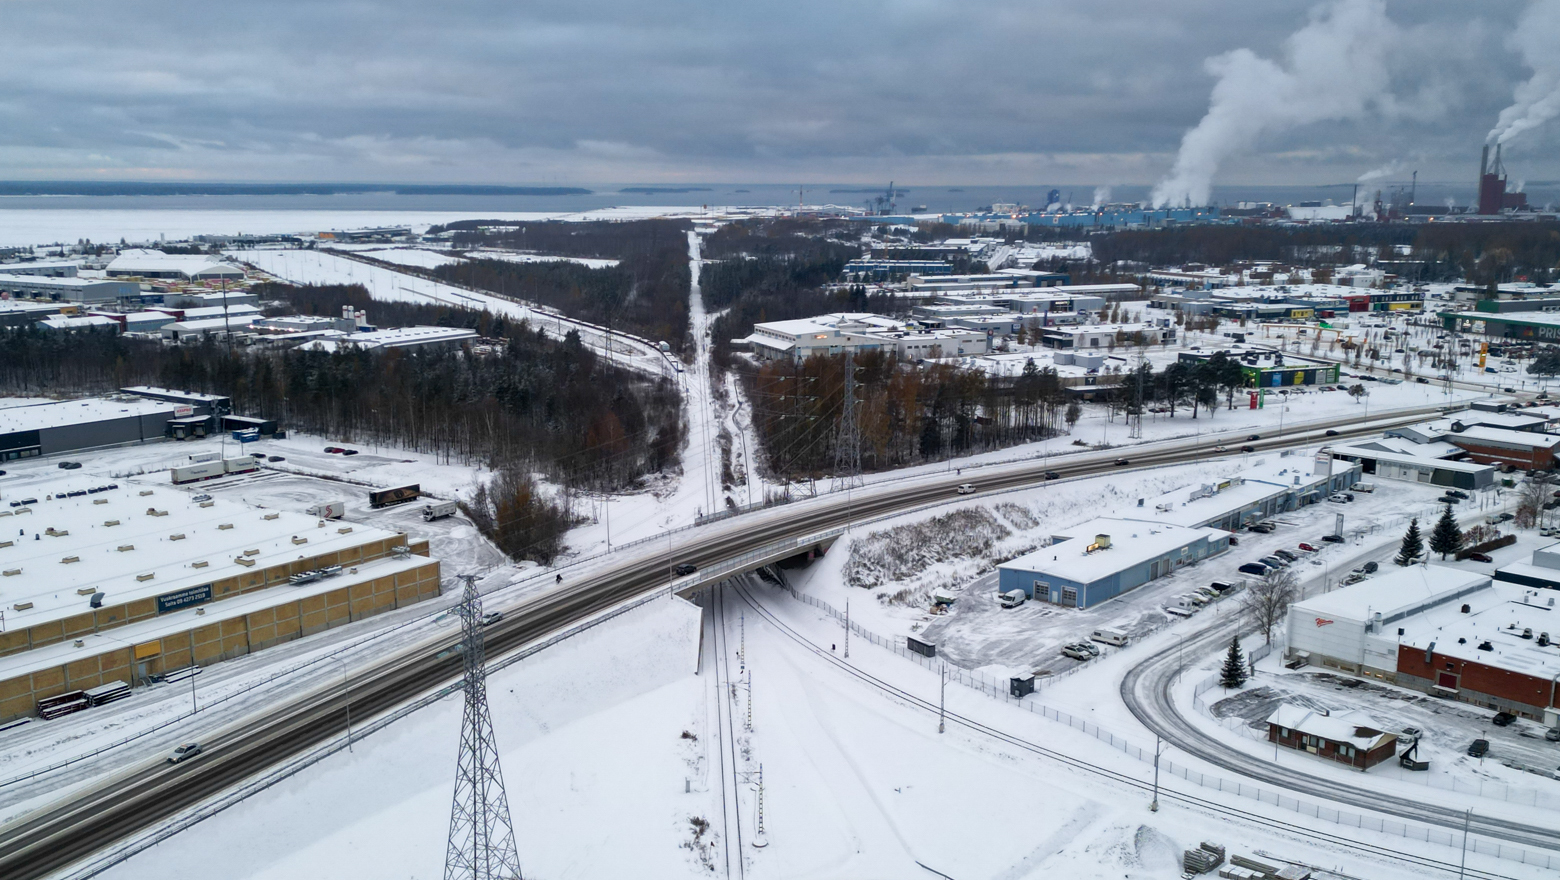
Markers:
(1268, 599)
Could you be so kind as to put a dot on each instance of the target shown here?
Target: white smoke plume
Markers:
(1333, 68)
(1101, 196)
(1386, 170)
(1537, 100)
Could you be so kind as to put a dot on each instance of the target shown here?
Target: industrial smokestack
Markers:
(1484, 162)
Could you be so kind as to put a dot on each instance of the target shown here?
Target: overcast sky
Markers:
(582, 92)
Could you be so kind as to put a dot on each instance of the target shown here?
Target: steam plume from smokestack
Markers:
(1101, 196)
(1386, 170)
(1538, 99)
(1332, 69)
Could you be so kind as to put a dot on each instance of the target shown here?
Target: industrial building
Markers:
(1107, 335)
(403, 338)
(24, 314)
(1542, 570)
(137, 263)
(853, 332)
(1395, 458)
(44, 268)
(1448, 632)
(72, 425)
(1265, 368)
(76, 290)
(1493, 197)
(115, 582)
(1523, 326)
(1277, 486)
(1107, 557)
(78, 324)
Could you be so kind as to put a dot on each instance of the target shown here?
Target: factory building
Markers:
(156, 264)
(111, 583)
(1493, 197)
(1103, 558)
(72, 425)
(1448, 632)
(76, 290)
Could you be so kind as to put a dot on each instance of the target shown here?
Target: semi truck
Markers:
(438, 510)
(398, 495)
(329, 510)
(209, 470)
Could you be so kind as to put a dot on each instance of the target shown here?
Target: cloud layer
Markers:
(596, 91)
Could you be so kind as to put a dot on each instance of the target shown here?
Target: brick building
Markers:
(1351, 738)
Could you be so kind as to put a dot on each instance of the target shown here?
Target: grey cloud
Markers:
(682, 90)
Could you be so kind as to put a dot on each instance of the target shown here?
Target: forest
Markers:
(532, 406)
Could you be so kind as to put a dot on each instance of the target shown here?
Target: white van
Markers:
(1012, 598)
(1109, 636)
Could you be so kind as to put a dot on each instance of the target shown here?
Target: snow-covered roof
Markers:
(1393, 593)
(153, 262)
(1132, 542)
(79, 322)
(397, 337)
(39, 416)
(109, 540)
(1496, 617)
(1507, 437)
(154, 390)
(1352, 727)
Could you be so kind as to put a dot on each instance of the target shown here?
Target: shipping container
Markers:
(203, 471)
(329, 510)
(438, 510)
(398, 495)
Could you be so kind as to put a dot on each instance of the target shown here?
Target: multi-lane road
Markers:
(148, 790)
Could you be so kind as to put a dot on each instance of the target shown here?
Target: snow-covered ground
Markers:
(419, 258)
(613, 752)
(318, 267)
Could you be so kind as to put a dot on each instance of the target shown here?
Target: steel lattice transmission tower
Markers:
(847, 450)
(482, 839)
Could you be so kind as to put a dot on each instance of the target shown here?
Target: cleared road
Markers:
(150, 790)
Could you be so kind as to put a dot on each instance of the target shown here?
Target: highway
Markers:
(1146, 692)
(148, 790)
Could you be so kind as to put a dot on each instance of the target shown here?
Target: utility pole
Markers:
(942, 700)
(482, 839)
(1462, 864)
(749, 721)
(847, 450)
(1153, 806)
(759, 840)
(742, 642)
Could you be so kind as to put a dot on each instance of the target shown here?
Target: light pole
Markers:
(1153, 806)
(942, 699)
(347, 692)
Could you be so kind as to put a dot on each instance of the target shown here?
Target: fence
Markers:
(999, 689)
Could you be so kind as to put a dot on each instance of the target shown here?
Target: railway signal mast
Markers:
(482, 838)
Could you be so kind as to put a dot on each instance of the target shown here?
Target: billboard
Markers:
(183, 598)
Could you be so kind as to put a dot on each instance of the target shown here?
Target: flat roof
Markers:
(1545, 318)
(51, 281)
(1399, 591)
(52, 585)
(1533, 439)
(190, 395)
(1189, 507)
(1496, 616)
(1131, 542)
(39, 416)
(131, 634)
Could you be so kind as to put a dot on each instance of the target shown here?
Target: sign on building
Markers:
(183, 598)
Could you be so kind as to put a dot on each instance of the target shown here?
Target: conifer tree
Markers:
(1446, 538)
(1413, 544)
(1233, 674)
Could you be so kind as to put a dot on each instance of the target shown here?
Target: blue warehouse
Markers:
(1103, 558)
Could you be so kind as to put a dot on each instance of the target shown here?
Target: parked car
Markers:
(1261, 527)
(1309, 548)
(1273, 562)
(333, 449)
(1503, 719)
(257, 456)
(349, 452)
(1479, 557)
(277, 458)
(1479, 748)
(1457, 494)
(70, 465)
(1552, 734)
(685, 569)
(1505, 517)
(1255, 568)
(1370, 567)
(1077, 652)
(492, 617)
(188, 750)
(1333, 539)
(1012, 598)
(1285, 554)
(1450, 499)
(1338, 498)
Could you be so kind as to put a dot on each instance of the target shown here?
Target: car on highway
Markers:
(1052, 475)
(1220, 449)
(1479, 748)
(70, 465)
(1120, 462)
(491, 617)
(1503, 719)
(967, 489)
(1308, 547)
(187, 750)
(1255, 568)
(685, 569)
(1255, 437)
(1248, 448)
(1330, 433)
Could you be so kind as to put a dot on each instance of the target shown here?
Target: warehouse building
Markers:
(156, 264)
(1106, 335)
(123, 583)
(1275, 487)
(22, 314)
(1542, 570)
(44, 268)
(1107, 557)
(1526, 326)
(76, 290)
(1448, 632)
(854, 332)
(1402, 459)
(1524, 449)
(72, 425)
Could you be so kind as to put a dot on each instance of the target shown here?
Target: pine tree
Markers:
(1413, 544)
(1446, 538)
(1233, 675)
